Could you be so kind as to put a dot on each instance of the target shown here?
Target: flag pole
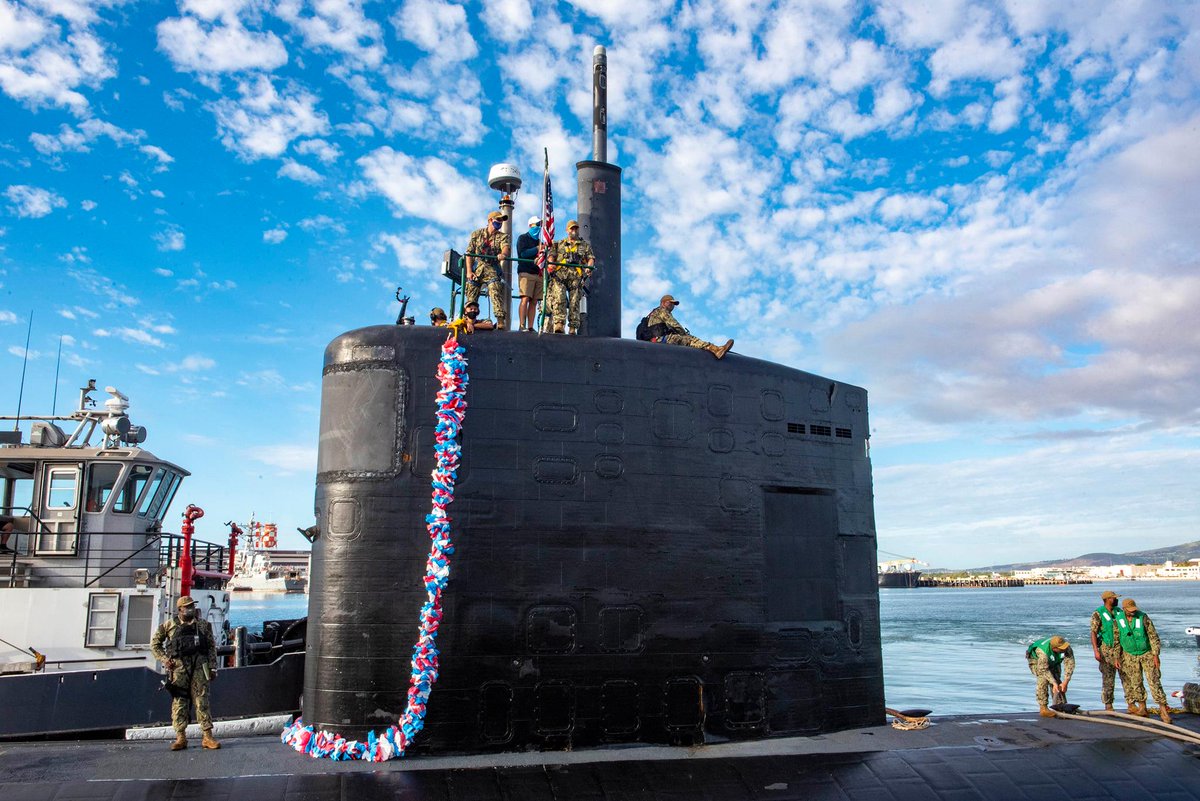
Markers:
(545, 275)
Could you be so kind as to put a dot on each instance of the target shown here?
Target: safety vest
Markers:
(1106, 625)
(1055, 657)
(568, 252)
(1133, 635)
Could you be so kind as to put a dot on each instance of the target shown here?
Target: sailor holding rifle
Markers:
(185, 646)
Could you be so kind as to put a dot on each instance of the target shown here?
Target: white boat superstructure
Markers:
(262, 567)
(86, 571)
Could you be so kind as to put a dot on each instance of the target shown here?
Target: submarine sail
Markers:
(651, 546)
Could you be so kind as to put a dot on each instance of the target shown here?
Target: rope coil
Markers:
(392, 743)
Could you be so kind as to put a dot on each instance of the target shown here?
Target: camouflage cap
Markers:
(1129, 603)
(438, 312)
(184, 602)
(572, 224)
(668, 299)
(1104, 596)
(1057, 643)
(495, 215)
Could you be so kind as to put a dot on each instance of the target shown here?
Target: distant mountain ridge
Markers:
(1171, 553)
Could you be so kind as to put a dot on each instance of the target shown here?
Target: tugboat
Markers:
(262, 567)
(87, 574)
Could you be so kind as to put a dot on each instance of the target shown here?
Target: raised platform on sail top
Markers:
(985, 757)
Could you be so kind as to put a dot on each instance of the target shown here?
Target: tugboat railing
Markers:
(16, 550)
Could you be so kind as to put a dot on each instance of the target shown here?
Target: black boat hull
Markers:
(651, 545)
(79, 702)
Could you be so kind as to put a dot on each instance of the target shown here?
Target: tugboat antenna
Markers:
(24, 364)
(57, 365)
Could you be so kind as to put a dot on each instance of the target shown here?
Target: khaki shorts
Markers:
(530, 285)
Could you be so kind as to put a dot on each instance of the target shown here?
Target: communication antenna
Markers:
(24, 364)
(57, 364)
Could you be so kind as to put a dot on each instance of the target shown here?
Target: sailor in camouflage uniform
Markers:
(566, 283)
(1139, 645)
(1105, 647)
(675, 333)
(185, 646)
(491, 246)
(1052, 662)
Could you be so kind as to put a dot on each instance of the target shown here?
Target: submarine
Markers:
(652, 546)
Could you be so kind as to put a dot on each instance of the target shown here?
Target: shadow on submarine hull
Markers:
(651, 545)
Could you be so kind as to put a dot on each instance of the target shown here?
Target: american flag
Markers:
(547, 218)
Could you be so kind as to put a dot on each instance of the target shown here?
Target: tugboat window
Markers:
(148, 496)
(102, 480)
(132, 488)
(60, 493)
(164, 496)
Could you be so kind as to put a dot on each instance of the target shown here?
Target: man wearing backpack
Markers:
(661, 326)
(1052, 662)
(185, 646)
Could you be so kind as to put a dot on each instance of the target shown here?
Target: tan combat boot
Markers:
(209, 742)
(558, 329)
(1140, 710)
(1046, 712)
(1164, 715)
(1108, 707)
(180, 742)
(721, 351)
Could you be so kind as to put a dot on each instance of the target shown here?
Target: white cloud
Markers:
(274, 236)
(163, 271)
(321, 222)
(44, 62)
(299, 172)
(136, 336)
(158, 154)
(87, 205)
(77, 139)
(327, 152)
(33, 201)
(337, 25)
(262, 122)
(209, 45)
(170, 239)
(428, 188)
(7, 316)
(437, 27)
(288, 458)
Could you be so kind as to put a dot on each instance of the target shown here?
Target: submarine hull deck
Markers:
(1001, 757)
(651, 545)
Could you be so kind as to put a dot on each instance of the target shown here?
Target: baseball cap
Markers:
(1104, 596)
(534, 221)
(668, 299)
(1129, 603)
(1057, 643)
(495, 215)
(572, 224)
(438, 312)
(185, 601)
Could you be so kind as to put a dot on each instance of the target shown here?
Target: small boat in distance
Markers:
(262, 567)
(1195, 632)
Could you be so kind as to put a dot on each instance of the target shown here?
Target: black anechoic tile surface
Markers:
(1122, 770)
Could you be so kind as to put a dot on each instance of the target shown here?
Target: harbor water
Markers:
(960, 651)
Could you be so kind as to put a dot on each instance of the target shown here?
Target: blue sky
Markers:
(985, 213)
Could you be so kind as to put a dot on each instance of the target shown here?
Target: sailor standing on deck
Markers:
(185, 646)
(1139, 646)
(1105, 647)
(1052, 661)
(486, 249)
(573, 258)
